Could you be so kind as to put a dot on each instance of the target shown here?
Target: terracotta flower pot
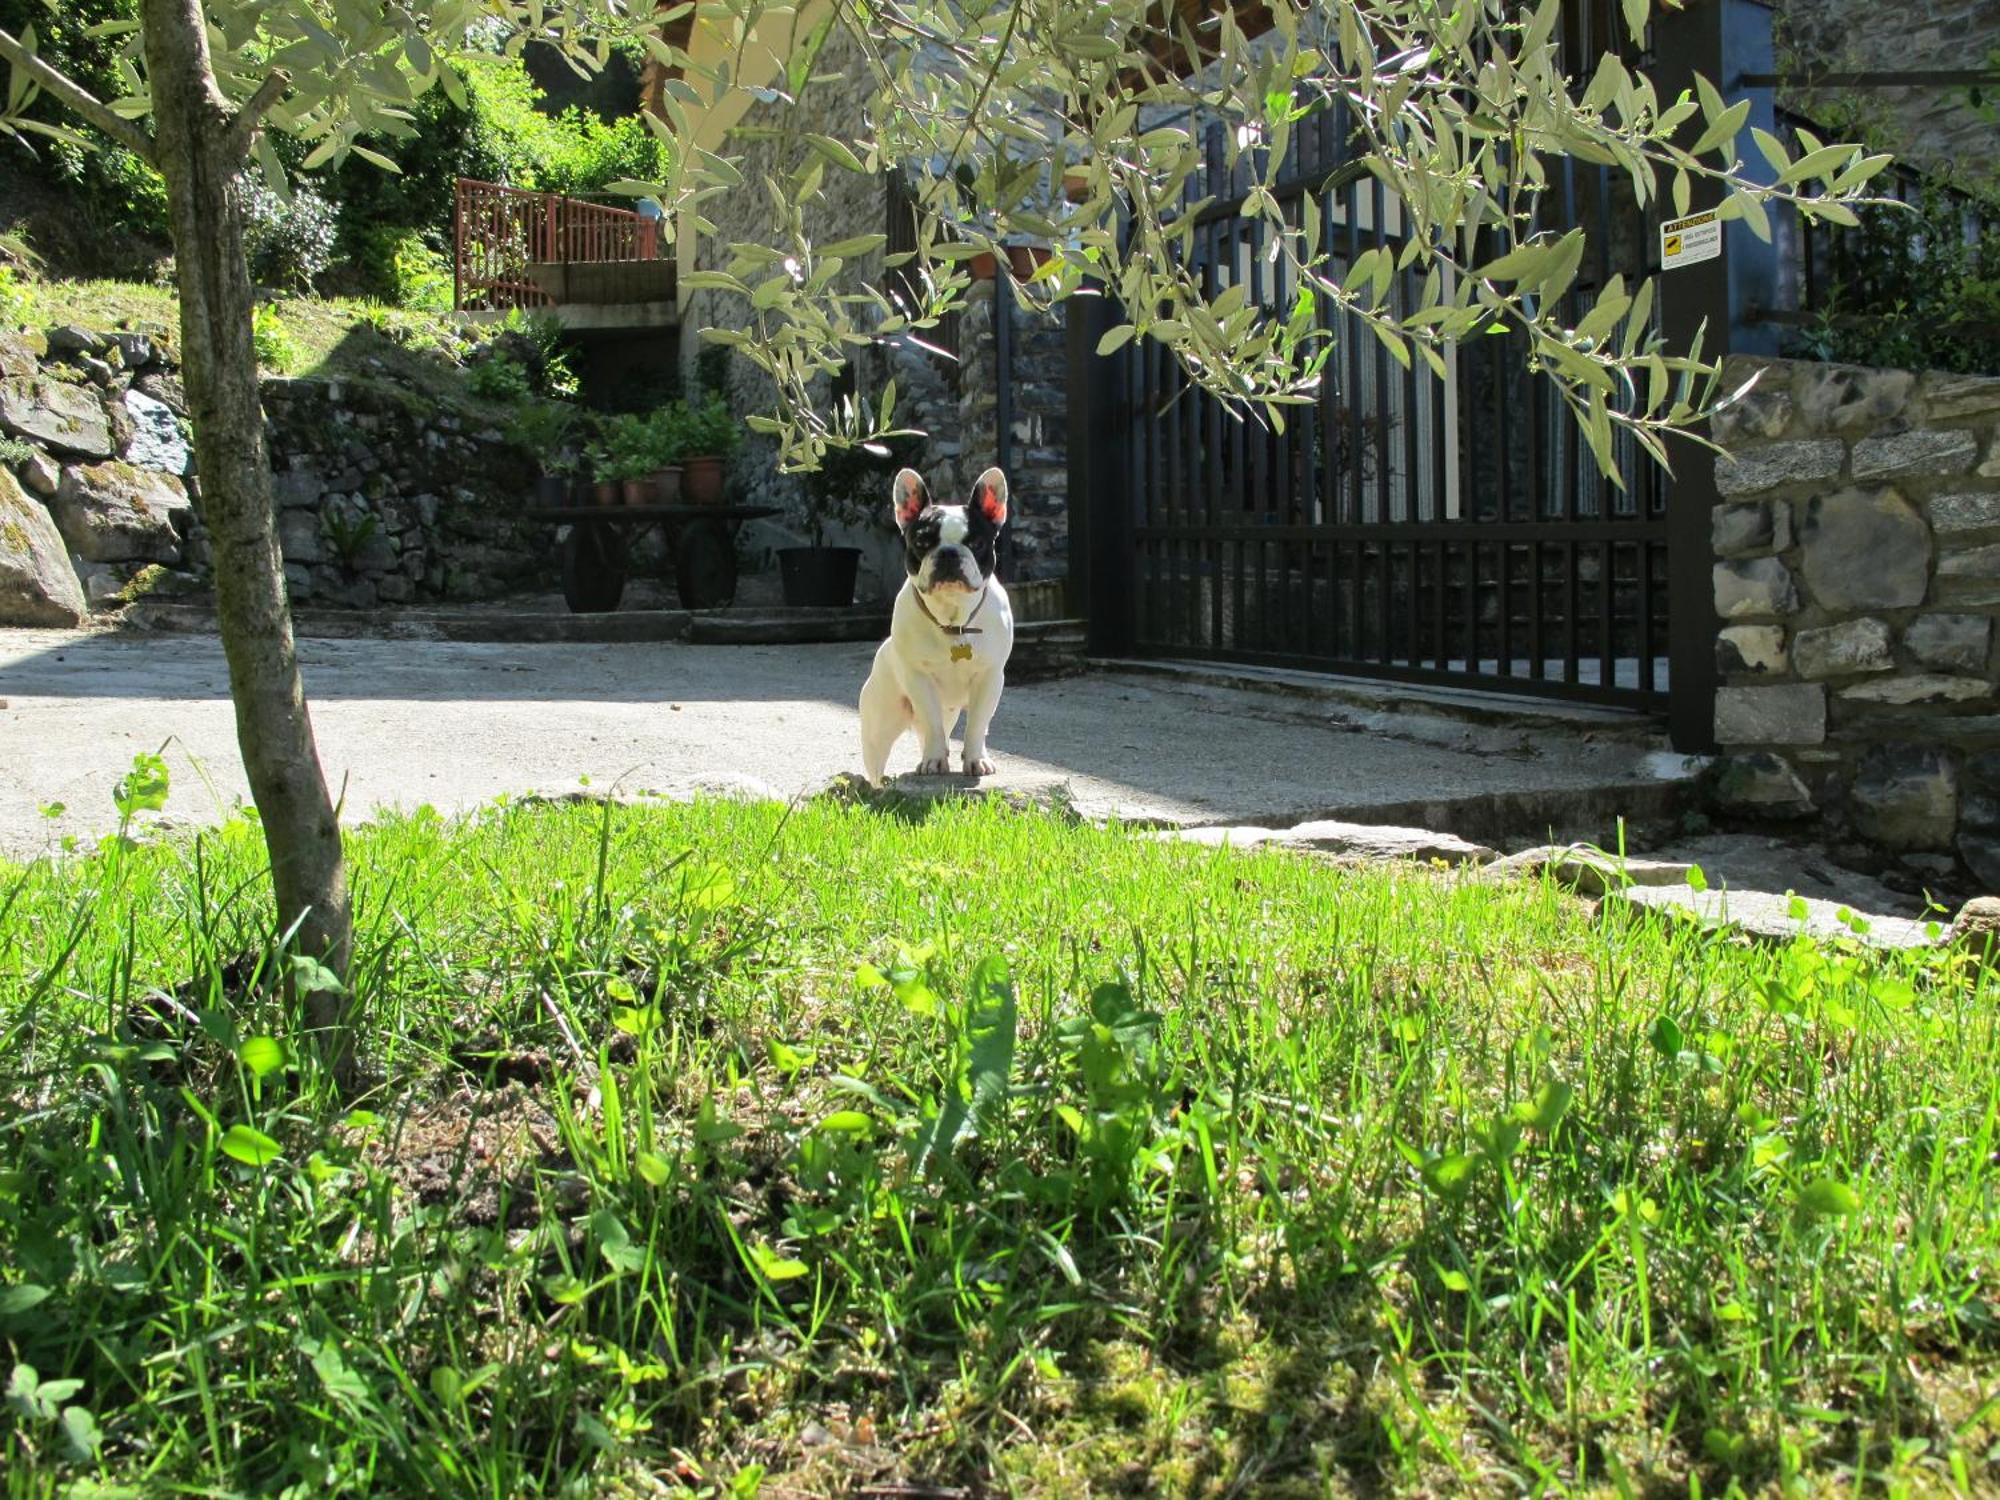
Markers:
(701, 480)
(638, 491)
(982, 266)
(605, 492)
(667, 484)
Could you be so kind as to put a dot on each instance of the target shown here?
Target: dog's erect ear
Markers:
(989, 496)
(910, 496)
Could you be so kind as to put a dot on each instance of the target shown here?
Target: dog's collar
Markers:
(964, 629)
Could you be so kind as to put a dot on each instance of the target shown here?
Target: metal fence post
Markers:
(1100, 538)
(1722, 40)
(1003, 403)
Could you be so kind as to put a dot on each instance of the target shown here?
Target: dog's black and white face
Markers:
(950, 546)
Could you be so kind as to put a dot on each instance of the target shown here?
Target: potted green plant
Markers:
(708, 433)
(547, 430)
(663, 451)
(606, 472)
(631, 449)
(850, 487)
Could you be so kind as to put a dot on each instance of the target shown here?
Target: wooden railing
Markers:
(502, 235)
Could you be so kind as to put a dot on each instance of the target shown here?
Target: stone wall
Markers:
(384, 500)
(1857, 580)
(1936, 128)
(385, 497)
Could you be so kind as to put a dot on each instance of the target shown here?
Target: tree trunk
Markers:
(203, 162)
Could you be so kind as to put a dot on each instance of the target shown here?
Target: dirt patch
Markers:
(477, 1152)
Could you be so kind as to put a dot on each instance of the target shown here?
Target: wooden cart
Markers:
(596, 551)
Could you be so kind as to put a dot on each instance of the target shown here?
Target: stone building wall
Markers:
(384, 498)
(955, 405)
(1857, 581)
(1936, 128)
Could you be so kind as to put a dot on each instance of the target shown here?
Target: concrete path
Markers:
(452, 724)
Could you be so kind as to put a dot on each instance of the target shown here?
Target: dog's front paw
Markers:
(936, 766)
(978, 765)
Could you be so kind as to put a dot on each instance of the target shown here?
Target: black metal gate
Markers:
(1404, 526)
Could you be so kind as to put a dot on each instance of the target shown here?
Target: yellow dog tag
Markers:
(961, 652)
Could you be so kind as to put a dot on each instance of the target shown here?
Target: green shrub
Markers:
(498, 379)
(546, 335)
(14, 451)
(707, 427)
(401, 267)
(13, 298)
(277, 350)
(1914, 291)
(289, 242)
(115, 192)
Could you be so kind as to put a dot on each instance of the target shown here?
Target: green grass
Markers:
(751, 1152)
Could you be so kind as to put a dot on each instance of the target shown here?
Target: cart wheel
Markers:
(705, 566)
(593, 568)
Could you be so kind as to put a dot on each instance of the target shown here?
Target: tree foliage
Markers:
(1000, 110)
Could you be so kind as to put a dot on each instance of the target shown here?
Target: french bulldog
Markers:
(950, 635)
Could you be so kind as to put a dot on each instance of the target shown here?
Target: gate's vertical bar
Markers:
(1003, 402)
(1102, 582)
(1722, 40)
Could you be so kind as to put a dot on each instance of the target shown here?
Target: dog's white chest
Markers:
(953, 656)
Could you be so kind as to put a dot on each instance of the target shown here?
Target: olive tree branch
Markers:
(77, 99)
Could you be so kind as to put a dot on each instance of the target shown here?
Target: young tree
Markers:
(1077, 124)
(205, 79)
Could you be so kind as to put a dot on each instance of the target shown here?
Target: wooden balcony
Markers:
(589, 265)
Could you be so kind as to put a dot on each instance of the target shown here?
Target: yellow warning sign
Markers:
(1690, 241)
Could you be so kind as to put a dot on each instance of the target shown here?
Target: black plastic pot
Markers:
(551, 489)
(822, 576)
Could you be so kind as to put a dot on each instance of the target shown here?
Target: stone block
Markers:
(41, 474)
(155, 440)
(1953, 643)
(112, 512)
(1952, 397)
(1765, 468)
(1865, 549)
(1771, 918)
(1922, 454)
(299, 537)
(1752, 648)
(1974, 511)
(38, 586)
(1758, 785)
(1591, 872)
(1790, 714)
(1905, 797)
(298, 488)
(1979, 817)
(1843, 650)
(1920, 688)
(1847, 398)
(69, 339)
(135, 350)
(17, 359)
(67, 418)
(1736, 530)
(1372, 842)
(1759, 586)
(1760, 414)
(1981, 563)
